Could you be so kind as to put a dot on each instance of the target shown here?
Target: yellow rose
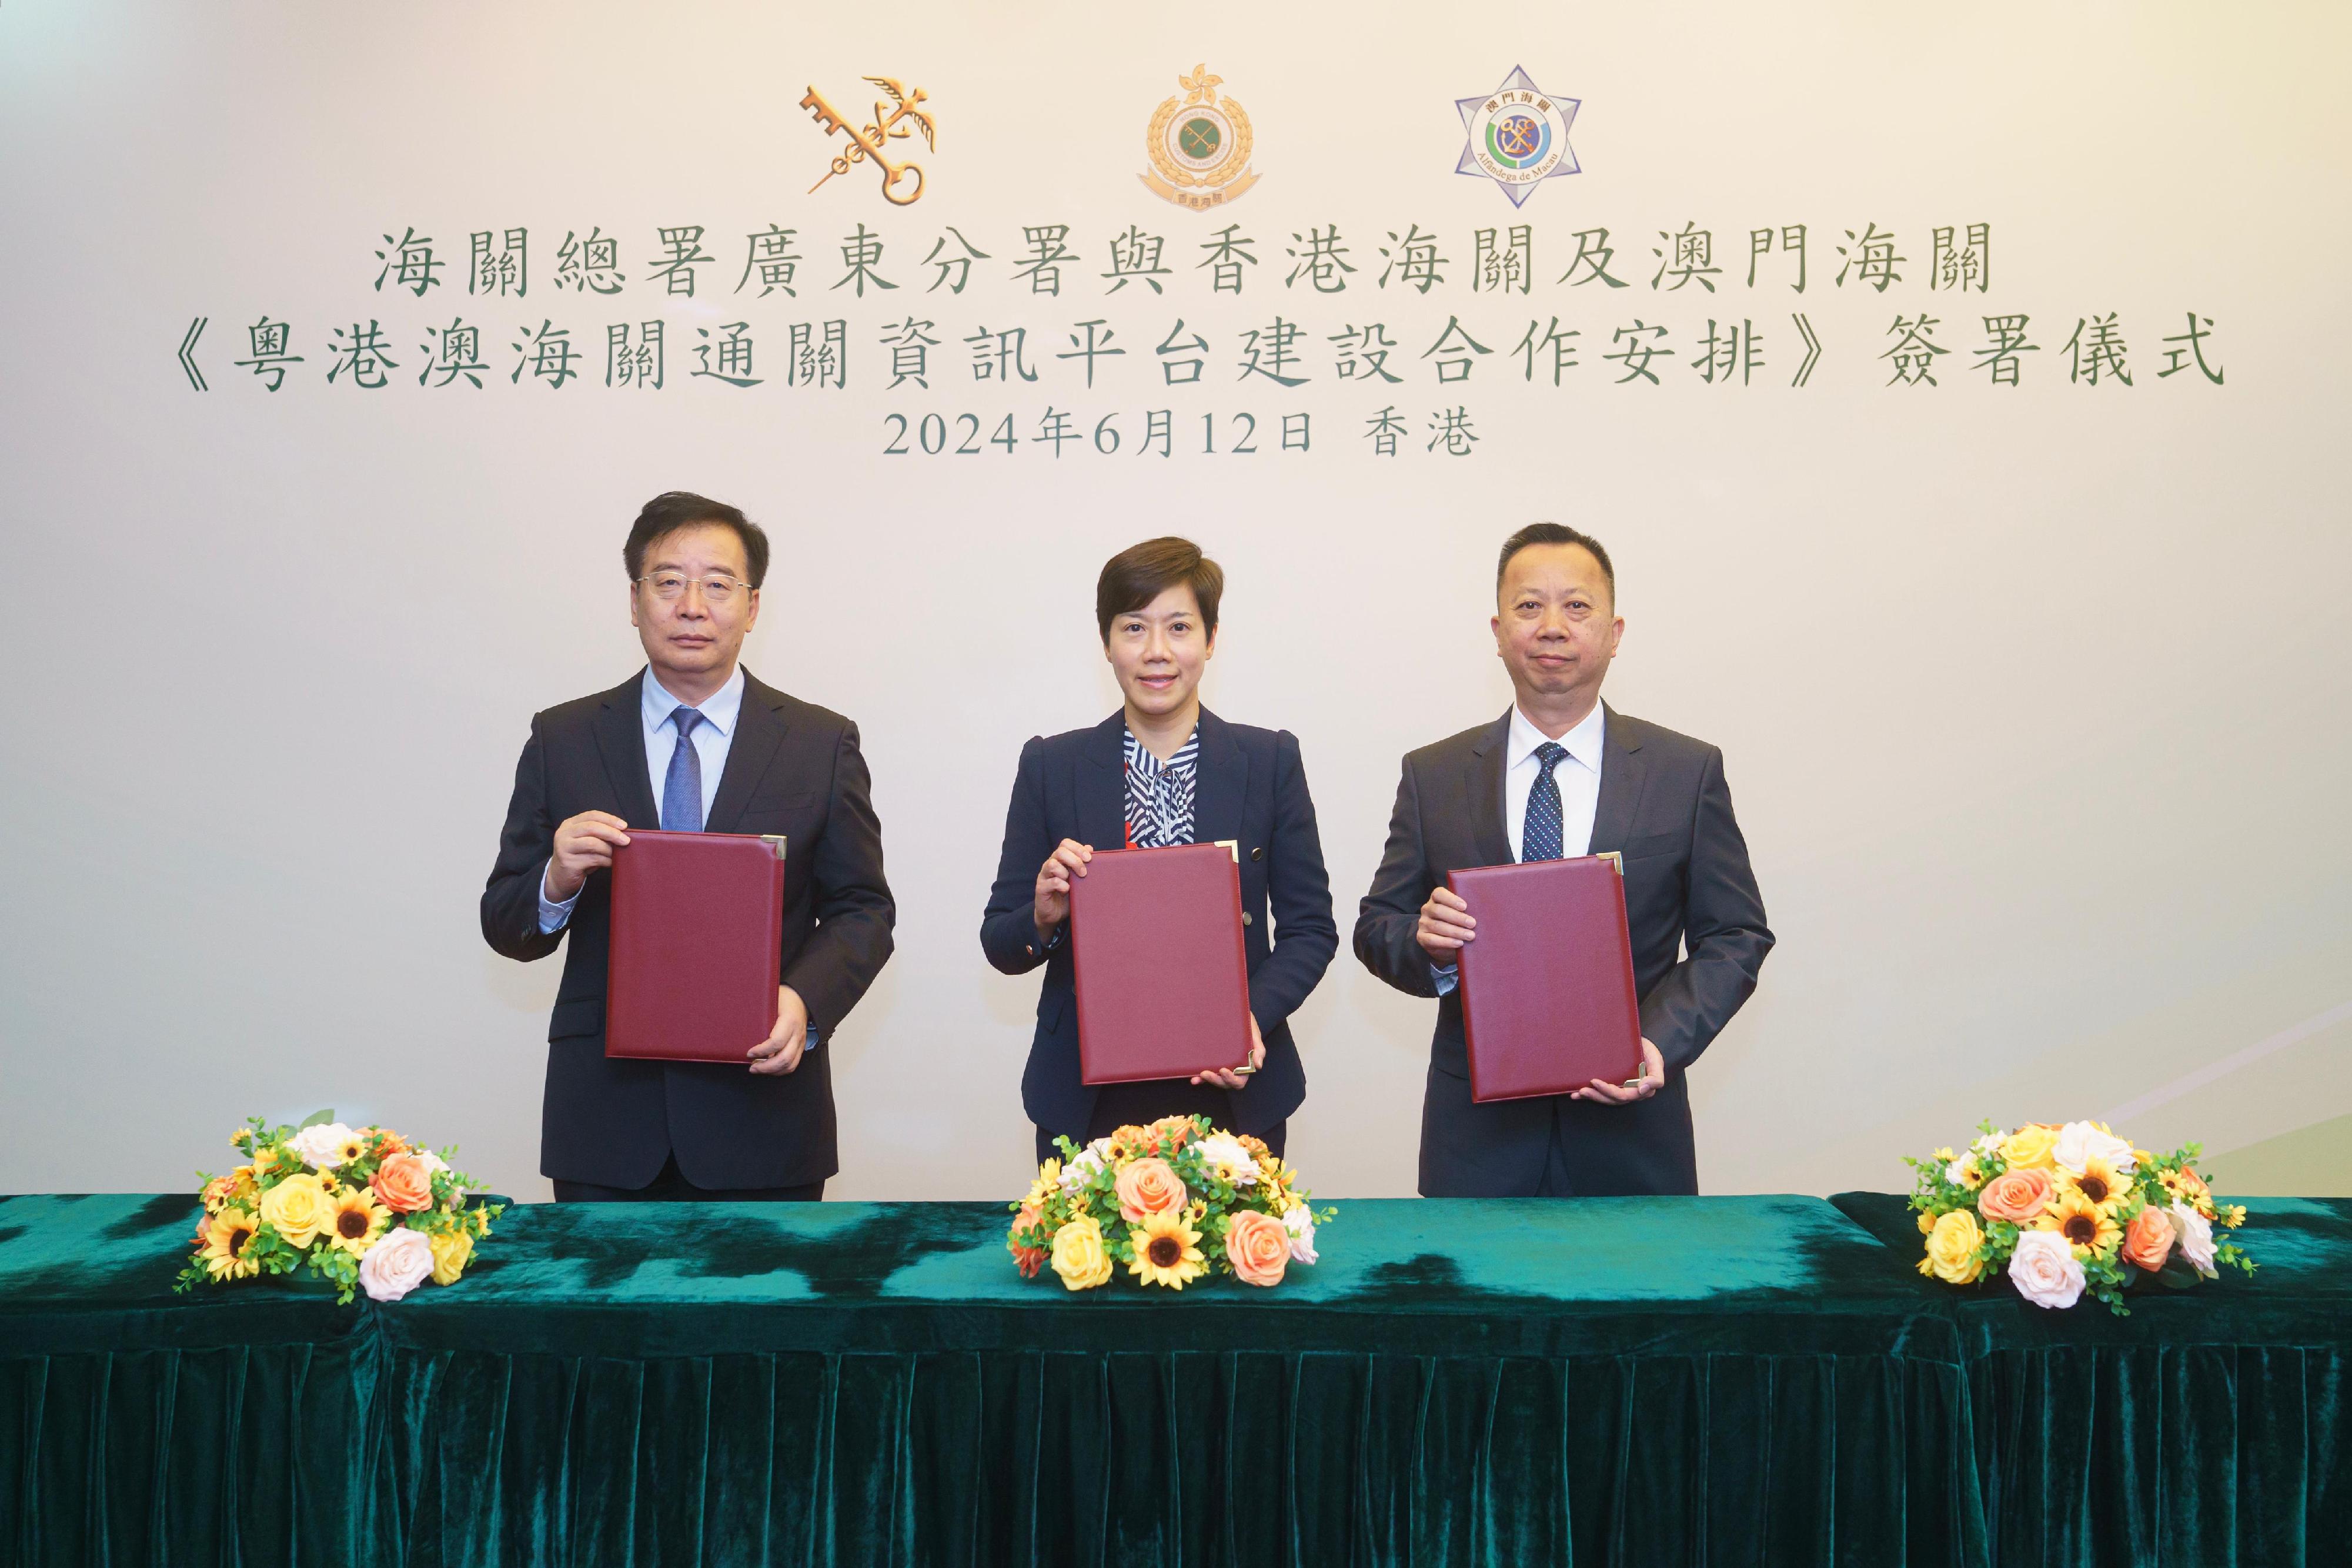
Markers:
(1952, 1247)
(2031, 1147)
(298, 1209)
(452, 1250)
(1079, 1256)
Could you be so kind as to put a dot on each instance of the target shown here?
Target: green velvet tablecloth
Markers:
(1732, 1381)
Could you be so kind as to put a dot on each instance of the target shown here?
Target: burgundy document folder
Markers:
(697, 936)
(1548, 1001)
(1162, 980)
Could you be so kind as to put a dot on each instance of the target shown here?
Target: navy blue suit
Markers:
(1251, 790)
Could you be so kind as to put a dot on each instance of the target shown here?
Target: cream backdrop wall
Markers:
(2033, 698)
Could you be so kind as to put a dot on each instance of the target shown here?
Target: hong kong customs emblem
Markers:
(1518, 136)
(1199, 145)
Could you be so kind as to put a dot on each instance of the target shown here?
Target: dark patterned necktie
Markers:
(1539, 837)
(682, 789)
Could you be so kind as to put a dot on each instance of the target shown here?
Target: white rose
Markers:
(434, 1163)
(2196, 1239)
(396, 1265)
(1990, 1143)
(1300, 1223)
(2080, 1142)
(1224, 1150)
(2044, 1270)
(1088, 1163)
(322, 1147)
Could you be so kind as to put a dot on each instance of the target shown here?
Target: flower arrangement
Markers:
(1171, 1202)
(2070, 1210)
(360, 1206)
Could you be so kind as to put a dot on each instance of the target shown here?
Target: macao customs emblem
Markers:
(1518, 136)
(1199, 145)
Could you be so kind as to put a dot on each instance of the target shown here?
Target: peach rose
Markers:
(1029, 1258)
(404, 1183)
(2018, 1195)
(1258, 1245)
(1147, 1186)
(2147, 1242)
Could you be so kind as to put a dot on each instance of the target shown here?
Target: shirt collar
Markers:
(1140, 759)
(1583, 742)
(720, 712)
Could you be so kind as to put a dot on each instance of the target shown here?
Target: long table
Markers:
(1709, 1381)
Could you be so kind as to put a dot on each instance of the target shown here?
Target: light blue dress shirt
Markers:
(711, 739)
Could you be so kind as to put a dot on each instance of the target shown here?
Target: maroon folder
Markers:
(698, 935)
(1163, 983)
(1548, 1001)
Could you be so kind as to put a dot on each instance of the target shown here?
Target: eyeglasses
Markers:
(718, 590)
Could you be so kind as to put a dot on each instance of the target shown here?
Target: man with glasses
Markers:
(693, 743)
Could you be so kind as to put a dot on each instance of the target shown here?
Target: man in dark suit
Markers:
(1162, 770)
(1563, 774)
(722, 753)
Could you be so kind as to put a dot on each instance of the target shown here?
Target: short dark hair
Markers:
(675, 509)
(1142, 573)
(1553, 534)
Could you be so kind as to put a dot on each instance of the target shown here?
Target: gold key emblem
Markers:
(892, 121)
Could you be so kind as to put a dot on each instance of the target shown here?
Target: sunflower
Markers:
(1048, 1182)
(352, 1149)
(2087, 1227)
(2099, 1185)
(225, 1236)
(358, 1220)
(1166, 1251)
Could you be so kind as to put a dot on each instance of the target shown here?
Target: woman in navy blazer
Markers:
(1161, 770)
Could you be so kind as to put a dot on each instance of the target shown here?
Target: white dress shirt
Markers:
(711, 739)
(1578, 775)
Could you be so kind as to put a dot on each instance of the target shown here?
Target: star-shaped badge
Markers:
(1518, 135)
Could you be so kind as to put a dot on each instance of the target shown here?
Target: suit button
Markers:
(1246, 919)
(1258, 854)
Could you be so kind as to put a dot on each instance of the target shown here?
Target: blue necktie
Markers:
(682, 790)
(1539, 836)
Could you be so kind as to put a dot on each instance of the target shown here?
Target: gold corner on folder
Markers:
(774, 842)
(1615, 858)
(1231, 846)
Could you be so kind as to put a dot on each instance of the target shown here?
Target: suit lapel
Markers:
(621, 745)
(759, 733)
(1621, 776)
(1223, 784)
(1483, 778)
(1102, 784)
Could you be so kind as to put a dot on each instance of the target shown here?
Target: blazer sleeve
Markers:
(1298, 895)
(1724, 935)
(1391, 913)
(1008, 926)
(510, 898)
(855, 912)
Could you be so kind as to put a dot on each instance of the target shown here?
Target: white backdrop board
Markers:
(2031, 678)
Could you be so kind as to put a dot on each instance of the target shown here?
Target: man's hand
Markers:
(1445, 924)
(1225, 1078)
(1069, 859)
(582, 844)
(780, 1051)
(1653, 1077)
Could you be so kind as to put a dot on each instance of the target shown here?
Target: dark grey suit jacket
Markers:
(1666, 807)
(793, 768)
